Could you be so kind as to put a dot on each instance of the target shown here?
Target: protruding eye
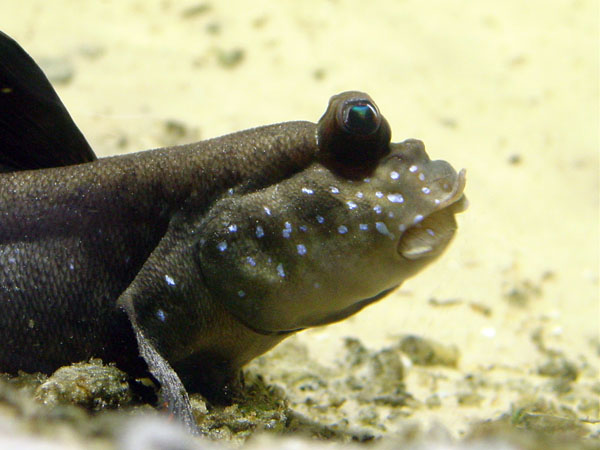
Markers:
(360, 117)
(352, 135)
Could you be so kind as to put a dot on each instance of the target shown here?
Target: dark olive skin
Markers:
(188, 262)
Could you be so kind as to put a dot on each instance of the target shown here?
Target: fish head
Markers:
(343, 232)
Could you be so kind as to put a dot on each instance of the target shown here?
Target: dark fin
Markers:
(36, 131)
(164, 304)
(172, 391)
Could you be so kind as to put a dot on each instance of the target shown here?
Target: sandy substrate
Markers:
(508, 90)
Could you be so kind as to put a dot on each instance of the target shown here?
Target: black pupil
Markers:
(361, 118)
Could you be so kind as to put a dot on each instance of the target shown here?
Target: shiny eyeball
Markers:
(360, 117)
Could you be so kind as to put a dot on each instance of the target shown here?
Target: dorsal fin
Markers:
(36, 131)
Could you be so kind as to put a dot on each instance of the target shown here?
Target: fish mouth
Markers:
(429, 237)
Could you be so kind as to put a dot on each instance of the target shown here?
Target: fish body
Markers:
(187, 262)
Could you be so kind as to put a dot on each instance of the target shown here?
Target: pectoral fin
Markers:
(164, 305)
(172, 391)
(36, 131)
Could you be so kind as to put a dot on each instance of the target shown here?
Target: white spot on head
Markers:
(161, 315)
(394, 175)
(395, 198)
(307, 191)
(351, 204)
(334, 190)
(359, 195)
(250, 260)
(379, 194)
(320, 219)
(383, 229)
(280, 270)
(301, 249)
(418, 218)
(425, 190)
(413, 169)
(287, 230)
(364, 226)
(222, 246)
(267, 210)
(259, 231)
(342, 229)
(170, 281)
(421, 177)
(241, 293)
(377, 209)
(232, 227)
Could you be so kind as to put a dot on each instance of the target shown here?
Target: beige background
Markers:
(480, 82)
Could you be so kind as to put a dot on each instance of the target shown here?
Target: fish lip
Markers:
(408, 246)
(457, 193)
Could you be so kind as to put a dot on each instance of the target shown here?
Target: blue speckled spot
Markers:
(422, 177)
(359, 194)
(418, 218)
(383, 229)
(425, 190)
(430, 232)
(301, 249)
(379, 194)
(334, 190)
(232, 228)
(250, 260)
(320, 219)
(364, 226)
(267, 210)
(394, 175)
(302, 228)
(342, 229)
(222, 246)
(170, 281)
(161, 315)
(377, 209)
(395, 198)
(241, 293)
(287, 230)
(413, 169)
(351, 204)
(280, 270)
(259, 231)
(402, 227)
(307, 191)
